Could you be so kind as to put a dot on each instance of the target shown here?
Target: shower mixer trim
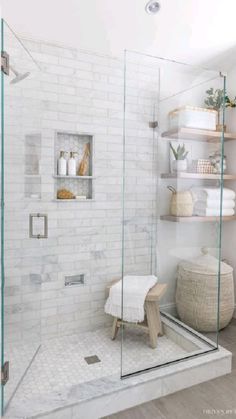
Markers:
(5, 65)
(6, 68)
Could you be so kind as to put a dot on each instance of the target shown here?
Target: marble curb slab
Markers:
(109, 395)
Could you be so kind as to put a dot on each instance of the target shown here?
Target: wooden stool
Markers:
(152, 322)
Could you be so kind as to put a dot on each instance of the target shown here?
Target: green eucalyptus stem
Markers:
(216, 100)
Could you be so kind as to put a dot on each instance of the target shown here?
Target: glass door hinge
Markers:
(5, 67)
(153, 124)
(223, 74)
(5, 373)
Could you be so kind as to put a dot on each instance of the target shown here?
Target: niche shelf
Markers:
(195, 219)
(78, 185)
(72, 177)
(194, 134)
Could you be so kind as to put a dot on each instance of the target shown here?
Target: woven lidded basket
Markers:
(197, 293)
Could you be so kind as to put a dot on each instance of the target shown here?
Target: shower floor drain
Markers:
(92, 359)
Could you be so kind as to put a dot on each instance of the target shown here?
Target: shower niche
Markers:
(78, 187)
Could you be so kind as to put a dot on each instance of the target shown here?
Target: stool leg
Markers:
(153, 323)
(115, 328)
(160, 329)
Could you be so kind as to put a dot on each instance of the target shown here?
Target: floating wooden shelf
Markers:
(174, 219)
(204, 176)
(197, 135)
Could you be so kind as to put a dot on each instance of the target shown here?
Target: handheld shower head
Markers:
(18, 76)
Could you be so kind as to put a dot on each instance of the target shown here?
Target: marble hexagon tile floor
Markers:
(60, 362)
(20, 357)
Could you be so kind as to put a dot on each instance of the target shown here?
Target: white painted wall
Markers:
(229, 230)
(188, 30)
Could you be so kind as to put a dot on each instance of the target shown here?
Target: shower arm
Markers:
(13, 70)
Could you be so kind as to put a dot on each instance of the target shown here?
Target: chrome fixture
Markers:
(152, 7)
(74, 280)
(38, 226)
(5, 373)
(5, 63)
(153, 124)
(6, 67)
(18, 76)
(92, 359)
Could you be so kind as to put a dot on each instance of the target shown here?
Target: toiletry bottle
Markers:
(72, 164)
(61, 164)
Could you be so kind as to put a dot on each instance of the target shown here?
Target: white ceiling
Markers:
(193, 31)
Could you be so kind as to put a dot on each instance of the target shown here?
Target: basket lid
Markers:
(206, 264)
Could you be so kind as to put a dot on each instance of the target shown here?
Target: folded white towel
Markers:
(215, 204)
(214, 212)
(135, 289)
(200, 193)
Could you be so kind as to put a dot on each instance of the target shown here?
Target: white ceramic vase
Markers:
(179, 165)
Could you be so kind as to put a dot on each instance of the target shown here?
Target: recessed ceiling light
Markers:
(152, 7)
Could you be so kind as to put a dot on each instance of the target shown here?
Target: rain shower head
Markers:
(18, 76)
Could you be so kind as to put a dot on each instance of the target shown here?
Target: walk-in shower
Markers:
(62, 252)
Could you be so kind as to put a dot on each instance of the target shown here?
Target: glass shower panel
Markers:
(22, 193)
(2, 237)
(190, 236)
(140, 187)
(171, 143)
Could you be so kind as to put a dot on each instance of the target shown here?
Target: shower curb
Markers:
(130, 392)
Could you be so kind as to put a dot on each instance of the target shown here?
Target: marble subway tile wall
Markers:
(140, 203)
(76, 92)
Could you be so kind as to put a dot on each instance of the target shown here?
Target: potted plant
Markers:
(230, 119)
(180, 155)
(215, 100)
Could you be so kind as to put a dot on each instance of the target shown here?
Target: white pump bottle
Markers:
(61, 164)
(72, 164)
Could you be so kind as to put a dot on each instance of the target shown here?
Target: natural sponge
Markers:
(65, 194)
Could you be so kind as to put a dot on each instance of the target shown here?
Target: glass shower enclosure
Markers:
(20, 192)
(164, 232)
(162, 235)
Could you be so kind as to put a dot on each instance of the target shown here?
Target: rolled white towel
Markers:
(213, 212)
(200, 193)
(215, 204)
